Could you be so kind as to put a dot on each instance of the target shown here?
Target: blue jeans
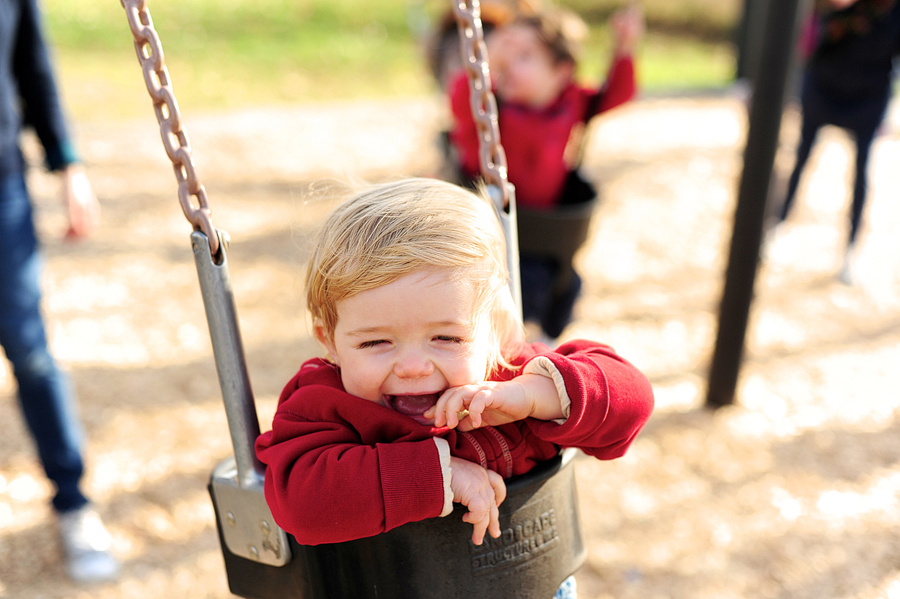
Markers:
(567, 589)
(44, 391)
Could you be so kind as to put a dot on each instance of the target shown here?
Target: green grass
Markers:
(233, 53)
(665, 62)
(706, 19)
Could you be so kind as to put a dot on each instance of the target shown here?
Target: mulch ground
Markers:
(792, 492)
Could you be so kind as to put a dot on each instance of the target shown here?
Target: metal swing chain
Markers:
(484, 104)
(175, 140)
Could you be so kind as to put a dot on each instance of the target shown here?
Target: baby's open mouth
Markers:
(413, 405)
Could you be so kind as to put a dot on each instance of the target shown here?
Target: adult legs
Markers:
(44, 393)
(864, 140)
(809, 129)
(864, 124)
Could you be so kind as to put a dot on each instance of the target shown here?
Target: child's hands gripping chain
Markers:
(494, 403)
(482, 491)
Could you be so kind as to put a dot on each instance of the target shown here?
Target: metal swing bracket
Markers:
(247, 527)
(491, 156)
(236, 485)
(508, 222)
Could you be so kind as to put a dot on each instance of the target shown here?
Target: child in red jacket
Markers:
(428, 394)
(542, 114)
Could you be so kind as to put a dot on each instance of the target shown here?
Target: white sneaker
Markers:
(845, 275)
(771, 236)
(86, 543)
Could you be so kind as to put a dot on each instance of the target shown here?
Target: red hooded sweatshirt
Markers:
(535, 139)
(342, 468)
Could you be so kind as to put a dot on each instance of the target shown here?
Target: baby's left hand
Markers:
(494, 403)
(628, 28)
(487, 403)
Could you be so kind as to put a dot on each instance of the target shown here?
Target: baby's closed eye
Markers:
(372, 343)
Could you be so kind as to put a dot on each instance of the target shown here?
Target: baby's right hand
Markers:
(482, 491)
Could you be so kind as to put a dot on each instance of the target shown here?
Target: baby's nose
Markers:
(413, 365)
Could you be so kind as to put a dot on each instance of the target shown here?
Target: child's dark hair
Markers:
(562, 31)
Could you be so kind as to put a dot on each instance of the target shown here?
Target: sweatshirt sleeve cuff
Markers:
(444, 453)
(60, 157)
(543, 366)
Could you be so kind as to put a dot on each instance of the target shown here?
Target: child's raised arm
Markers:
(586, 396)
(496, 403)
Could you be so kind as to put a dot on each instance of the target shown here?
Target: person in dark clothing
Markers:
(847, 79)
(28, 97)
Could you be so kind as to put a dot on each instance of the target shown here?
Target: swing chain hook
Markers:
(174, 138)
(484, 105)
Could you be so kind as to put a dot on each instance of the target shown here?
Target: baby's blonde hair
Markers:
(387, 231)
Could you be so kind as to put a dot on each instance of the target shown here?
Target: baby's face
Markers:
(403, 344)
(522, 67)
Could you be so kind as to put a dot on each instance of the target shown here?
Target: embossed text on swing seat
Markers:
(515, 545)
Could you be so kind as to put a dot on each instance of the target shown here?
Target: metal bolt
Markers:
(229, 517)
(264, 527)
(254, 552)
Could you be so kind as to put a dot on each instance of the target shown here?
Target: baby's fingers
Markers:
(481, 520)
(438, 411)
(494, 523)
(449, 409)
(499, 486)
(477, 405)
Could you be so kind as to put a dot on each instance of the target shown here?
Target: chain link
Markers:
(175, 140)
(178, 148)
(484, 105)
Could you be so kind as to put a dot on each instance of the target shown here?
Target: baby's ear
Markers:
(324, 338)
(319, 331)
(563, 74)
